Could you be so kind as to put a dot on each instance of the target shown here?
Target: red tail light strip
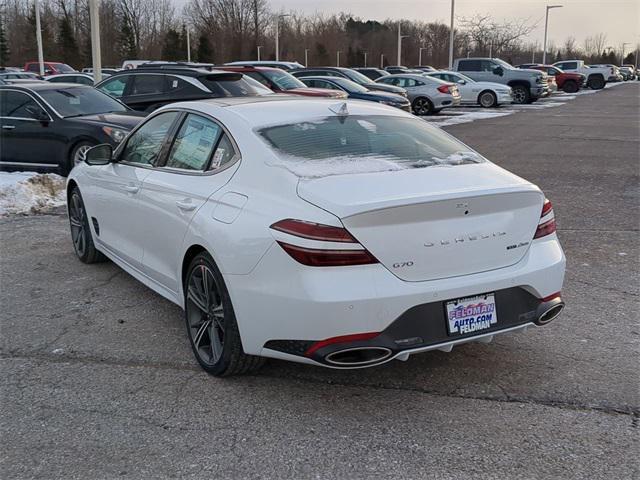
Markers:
(341, 339)
(549, 226)
(314, 231)
(315, 257)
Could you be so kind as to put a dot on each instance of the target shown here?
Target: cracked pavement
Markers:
(98, 380)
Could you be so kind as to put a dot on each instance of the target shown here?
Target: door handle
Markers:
(131, 188)
(8, 127)
(186, 206)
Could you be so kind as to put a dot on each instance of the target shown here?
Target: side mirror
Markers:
(99, 155)
(462, 82)
(498, 71)
(37, 113)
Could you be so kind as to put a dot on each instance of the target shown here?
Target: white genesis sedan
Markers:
(335, 233)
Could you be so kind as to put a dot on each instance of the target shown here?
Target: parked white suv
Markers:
(597, 77)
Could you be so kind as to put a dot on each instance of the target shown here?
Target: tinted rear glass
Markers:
(357, 144)
(244, 87)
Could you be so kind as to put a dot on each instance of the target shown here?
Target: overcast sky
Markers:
(619, 19)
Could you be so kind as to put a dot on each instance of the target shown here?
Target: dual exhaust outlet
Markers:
(368, 356)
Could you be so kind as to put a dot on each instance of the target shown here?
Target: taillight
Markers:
(547, 224)
(321, 255)
(444, 89)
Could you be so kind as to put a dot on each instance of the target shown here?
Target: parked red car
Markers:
(568, 82)
(50, 68)
(282, 82)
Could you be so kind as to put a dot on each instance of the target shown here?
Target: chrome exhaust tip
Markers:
(358, 356)
(549, 312)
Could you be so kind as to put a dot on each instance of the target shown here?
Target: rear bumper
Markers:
(282, 301)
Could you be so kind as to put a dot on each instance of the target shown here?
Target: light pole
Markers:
(306, 57)
(400, 37)
(338, 58)
(420, 55)
(381, 61)
(188, 46)
(278, 34)
(258, 47)
(365, 59)
(453, 8)
(36, 6)
(546, 28)
(94, 18)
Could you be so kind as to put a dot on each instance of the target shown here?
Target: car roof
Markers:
(41, 86)
(261, 111)
(186, 71)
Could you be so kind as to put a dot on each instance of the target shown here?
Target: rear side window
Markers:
(33, 67)
(194, 143)
(570, 66)
(224, 153)
(469, 65)
(147, 84)
(357, 144)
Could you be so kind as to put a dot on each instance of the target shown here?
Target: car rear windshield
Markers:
(77, 101)
(284, 80)
(63, 67)
(362, 144)
(242, 87)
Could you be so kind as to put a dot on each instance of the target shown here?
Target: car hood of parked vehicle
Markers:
(316, 92)
(380, 96)
(385, 88)
(126, 120)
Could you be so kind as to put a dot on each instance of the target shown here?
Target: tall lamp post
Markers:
(278, 34)
(258, 47)
(400, 37)
(306, 57)
(381, 61)
(36, 6)
(453, 8)
(94, 18)
(546, 28)
(365, 59)
(420, 55)
(338, 58)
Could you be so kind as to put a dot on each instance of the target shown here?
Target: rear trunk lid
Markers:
(436, 222)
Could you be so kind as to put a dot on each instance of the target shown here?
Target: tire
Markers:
(570, 86)
(211, 323)
(521, 94)
(422, 106)
(488, 99)
(76, 155)
(81, 231)
(596, 82)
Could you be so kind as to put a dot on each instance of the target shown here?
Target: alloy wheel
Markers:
(205, 314)
(77, 221)
(486, 100)
(421, 106)
(519, 95)
(79, 154)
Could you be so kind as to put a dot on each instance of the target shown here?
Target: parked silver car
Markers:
(428, 95)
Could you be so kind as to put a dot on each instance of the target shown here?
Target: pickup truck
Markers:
(568, 82)
(597, 77)
(527, 85)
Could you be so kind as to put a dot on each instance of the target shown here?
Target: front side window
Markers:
(194, 143)
(18, 105)
(487, 66)
(114, 87)
(339, 145)
(145, 144)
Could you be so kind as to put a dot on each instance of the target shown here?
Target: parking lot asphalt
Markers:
(98, 380)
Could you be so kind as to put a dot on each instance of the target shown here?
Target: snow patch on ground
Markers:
(466, 117)
(26, 193)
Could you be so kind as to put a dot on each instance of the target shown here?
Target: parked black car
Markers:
(49, 126)
(372, 73)
(358, 92)
(350, 74)
(145, 89)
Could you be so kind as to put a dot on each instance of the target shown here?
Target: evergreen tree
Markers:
(171, 46)
(67, 45)
(4, 47)
(321, 54)
(183, 43)
(205, 53)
